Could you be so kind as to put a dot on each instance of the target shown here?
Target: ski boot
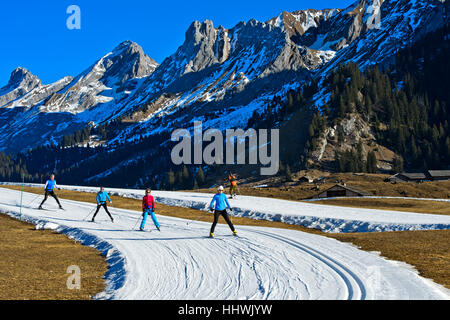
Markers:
(211, 235)
(235, 233)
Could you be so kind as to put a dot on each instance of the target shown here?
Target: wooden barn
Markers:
(408, 177)
(438, 175)
(430, 175)
(340, 190)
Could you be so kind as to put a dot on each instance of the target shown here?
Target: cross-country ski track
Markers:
(180, 262)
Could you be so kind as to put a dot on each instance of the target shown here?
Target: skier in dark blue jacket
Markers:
(102, 196)
(50, 185)
(219, 204)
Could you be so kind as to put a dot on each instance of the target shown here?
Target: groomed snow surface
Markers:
(180, 262)
(324, 217)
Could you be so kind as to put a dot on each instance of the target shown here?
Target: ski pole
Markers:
(230, 215)
(117, 215)
(201, 216)
(35, 198)
(137, 220)
(89, 214)
(21, 194)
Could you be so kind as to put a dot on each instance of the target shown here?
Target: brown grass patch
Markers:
(428, 251)
(34, 263)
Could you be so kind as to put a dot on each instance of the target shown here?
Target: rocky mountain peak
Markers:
(198, 31)
(20, 82)
(128, 61)
(204, 46)
(296, 23)
(21, 77)
(128, 45)
(114, 76)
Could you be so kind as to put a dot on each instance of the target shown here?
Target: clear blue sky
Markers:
(33, 34)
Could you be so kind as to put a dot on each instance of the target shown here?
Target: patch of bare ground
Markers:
(33, 264)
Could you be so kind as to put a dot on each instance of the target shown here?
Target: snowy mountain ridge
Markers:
(216, 72)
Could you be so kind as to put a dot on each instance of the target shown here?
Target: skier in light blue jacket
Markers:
(102, 196)
(221, 203)
(50, 185)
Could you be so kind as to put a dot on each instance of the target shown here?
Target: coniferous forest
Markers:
(407, 103)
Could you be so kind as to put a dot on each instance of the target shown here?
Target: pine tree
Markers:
(185, 176)
(200, 177)
(371, 162)
(288, 173)
(170, 179)
(281, 168)
(397, 164)
(360, 166)
(290, 102)
(179, 179)
(447, 147)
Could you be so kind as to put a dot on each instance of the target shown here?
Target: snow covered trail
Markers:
(327, 218)
(262, 263)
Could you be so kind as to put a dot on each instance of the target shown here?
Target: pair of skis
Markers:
(143, 230)
(225, 236)
(40, 208)
(92, 211)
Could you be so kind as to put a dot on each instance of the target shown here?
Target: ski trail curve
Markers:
(357, 291)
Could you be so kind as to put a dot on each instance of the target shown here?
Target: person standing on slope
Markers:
(221, 203)
(50, 185)
(233, 184)
(102, 196)
(148, 207)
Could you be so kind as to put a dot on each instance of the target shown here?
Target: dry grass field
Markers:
(427, 251)
(33, 264)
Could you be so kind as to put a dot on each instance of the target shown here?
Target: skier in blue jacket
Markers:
(102, 196)
(50, 185)
(221, 203)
